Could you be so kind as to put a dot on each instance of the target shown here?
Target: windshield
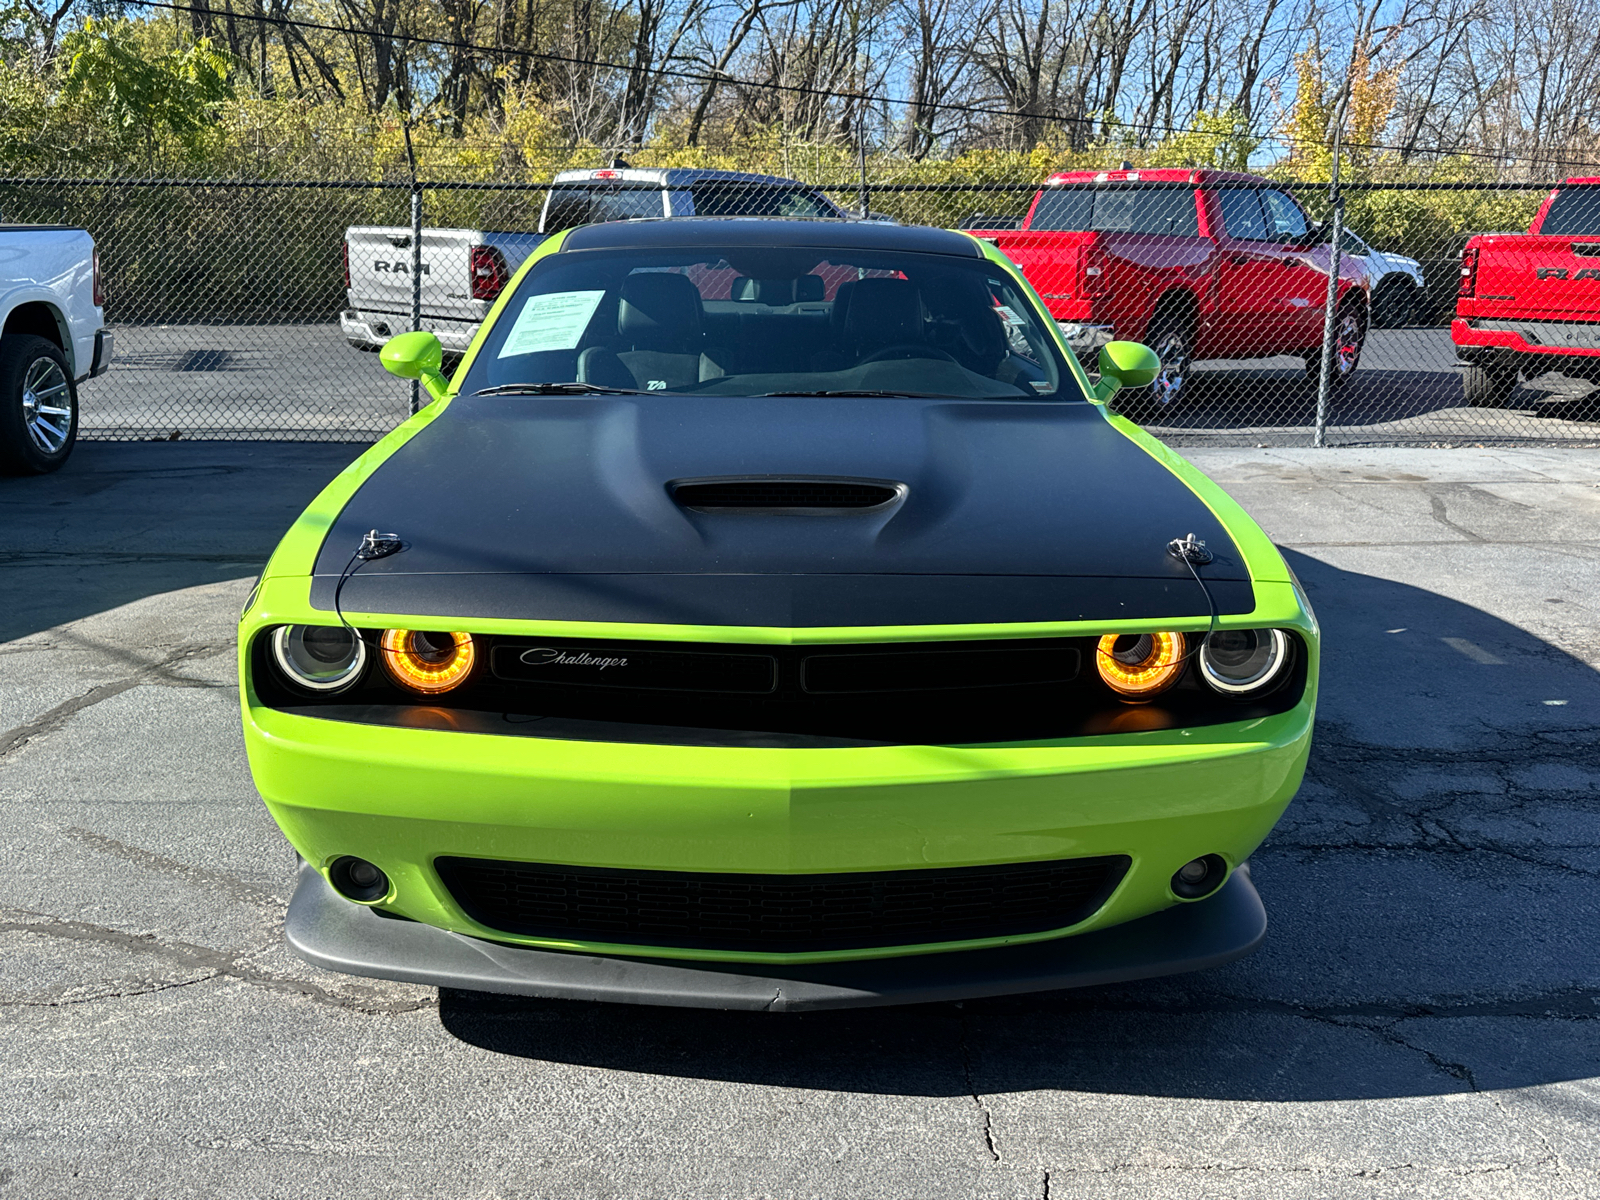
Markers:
(757, 321)
(1574, 213)
(724, 198)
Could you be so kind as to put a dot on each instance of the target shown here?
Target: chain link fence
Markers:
(248, 310)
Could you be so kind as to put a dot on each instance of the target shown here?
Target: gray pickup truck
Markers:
(464, 270)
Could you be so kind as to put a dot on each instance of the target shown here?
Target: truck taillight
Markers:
(99, 286)
(489, 274)
(346, 265)
(1469, 272)
(1092, 273)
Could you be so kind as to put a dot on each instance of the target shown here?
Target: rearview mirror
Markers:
(1125, 364)
(417, 356)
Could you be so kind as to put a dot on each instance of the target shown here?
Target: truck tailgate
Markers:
(1053, 262)
(380, 268)
(1538, 278)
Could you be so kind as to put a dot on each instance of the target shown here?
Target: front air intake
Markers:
(784, 495)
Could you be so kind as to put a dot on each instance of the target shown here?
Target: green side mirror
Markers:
(1125, 364)
(417, 356)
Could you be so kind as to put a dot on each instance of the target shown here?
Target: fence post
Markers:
(416, 281)
(864, 195)
(1319, 435)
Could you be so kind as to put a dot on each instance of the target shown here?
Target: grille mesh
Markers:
(778, 913)
(782, 493)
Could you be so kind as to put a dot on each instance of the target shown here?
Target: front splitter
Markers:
(329, 931)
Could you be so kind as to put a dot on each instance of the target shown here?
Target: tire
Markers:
(1395, 304)
(38, 406)
(1172, 338)
(1485, 387)
(1350, 332)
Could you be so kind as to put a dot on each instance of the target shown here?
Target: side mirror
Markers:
(417, 356)
(1125, 364)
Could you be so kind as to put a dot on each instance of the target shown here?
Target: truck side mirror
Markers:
(417, 356)
(1125, 364)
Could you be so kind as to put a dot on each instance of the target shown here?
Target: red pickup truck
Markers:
(1194, 263)
(1530, 302)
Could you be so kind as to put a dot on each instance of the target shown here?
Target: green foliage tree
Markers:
(143, 97)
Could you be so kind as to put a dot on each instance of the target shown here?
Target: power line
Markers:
(723, 79)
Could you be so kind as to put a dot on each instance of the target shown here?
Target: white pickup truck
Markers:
(462, 273)
(52, 337)
(463, 270)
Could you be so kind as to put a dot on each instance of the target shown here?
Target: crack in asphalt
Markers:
(218, 963)
(157, 673)
(247, 893)
(972, 1089)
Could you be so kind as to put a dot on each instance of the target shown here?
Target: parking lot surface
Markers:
(1423, 1020)
(306, 381)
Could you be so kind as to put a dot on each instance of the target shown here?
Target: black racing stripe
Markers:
(561, 508)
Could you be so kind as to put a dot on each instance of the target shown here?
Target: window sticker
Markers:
(554, 321)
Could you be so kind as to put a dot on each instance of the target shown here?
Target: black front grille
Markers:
(779, 913)
(769, 494)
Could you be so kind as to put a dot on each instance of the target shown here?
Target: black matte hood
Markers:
(560, 508)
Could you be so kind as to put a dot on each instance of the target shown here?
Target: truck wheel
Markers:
(38, 406)
(1173, 343)
(1350, 337)
(1485, 387)
(1394, 305)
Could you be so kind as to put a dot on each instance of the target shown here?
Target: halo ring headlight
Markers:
(1239, 661)
(428, 663)
(319, 658)
(1140, 666)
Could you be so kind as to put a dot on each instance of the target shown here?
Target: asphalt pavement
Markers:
(1422, 1020)
(306, 382)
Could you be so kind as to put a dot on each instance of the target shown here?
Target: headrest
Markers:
(884, 312)
(777, 292)
(660, 310)
(967, 304)
(841, 306)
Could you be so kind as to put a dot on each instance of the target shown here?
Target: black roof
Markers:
(654, 233)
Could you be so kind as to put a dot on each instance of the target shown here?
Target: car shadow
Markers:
(1431, 892)
(125, 520)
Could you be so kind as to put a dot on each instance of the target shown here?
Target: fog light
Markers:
(357, 879)
(1199, 877)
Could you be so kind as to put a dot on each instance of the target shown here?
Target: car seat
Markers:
(660, 342)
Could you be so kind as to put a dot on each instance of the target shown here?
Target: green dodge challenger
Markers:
(771, 614)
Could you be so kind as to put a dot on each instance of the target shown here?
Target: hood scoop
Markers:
(786, 494)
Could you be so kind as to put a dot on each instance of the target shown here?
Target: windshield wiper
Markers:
(871, 392)
(572, 388)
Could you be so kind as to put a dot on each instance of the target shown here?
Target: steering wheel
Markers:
(906, 350)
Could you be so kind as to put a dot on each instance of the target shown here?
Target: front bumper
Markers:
(402, 797)
(331, 932)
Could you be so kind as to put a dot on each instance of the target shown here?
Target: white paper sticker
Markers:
(553, 321)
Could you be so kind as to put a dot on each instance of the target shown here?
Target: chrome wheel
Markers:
(46, 405)
(1172, 348)
(1347, 348)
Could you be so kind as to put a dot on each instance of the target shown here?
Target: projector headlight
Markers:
(428, 663)
(1138, 666)
(1237, 661)
(319, 658)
